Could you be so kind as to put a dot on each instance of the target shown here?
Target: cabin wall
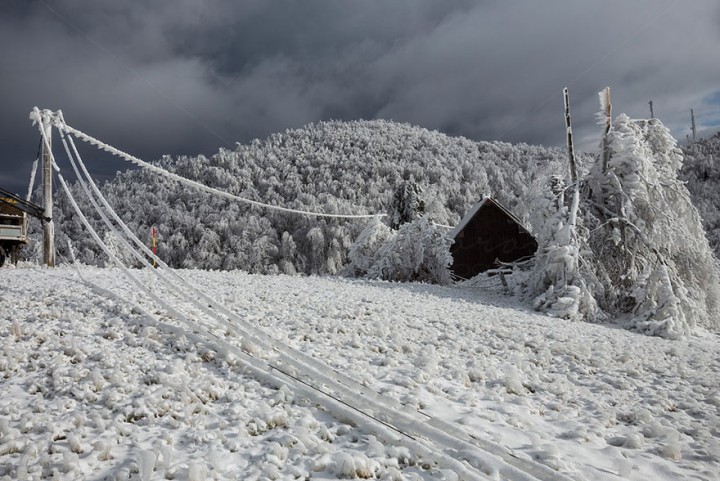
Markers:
(489, 236)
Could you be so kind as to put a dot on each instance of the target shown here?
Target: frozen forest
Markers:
(625, 241)
(331, 167)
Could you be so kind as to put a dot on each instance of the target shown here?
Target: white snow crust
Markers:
(98, 382)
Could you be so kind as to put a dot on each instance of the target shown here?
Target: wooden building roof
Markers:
(487, 234)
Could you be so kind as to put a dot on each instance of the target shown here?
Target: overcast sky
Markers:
(156, 77)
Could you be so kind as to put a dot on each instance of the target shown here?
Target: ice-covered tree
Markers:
(651, 257)
(417, 252)
(116, 247)
(209, 249)
(317, 250)
(406, 204)
(636, 248)
(557, 284)
(364, 252)
(334, 256)
(288, 251)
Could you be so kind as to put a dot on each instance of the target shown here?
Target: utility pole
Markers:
(652, 114)
(568, 130)
(48, 226)
(692, 119)
(575, 204)
(606, 107)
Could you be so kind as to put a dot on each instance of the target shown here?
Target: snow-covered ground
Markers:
(97, 382)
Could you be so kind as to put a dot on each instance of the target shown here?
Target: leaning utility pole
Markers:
(606, 108)
(568, 130)
(575, 204)
(48, 226)
(692, 119)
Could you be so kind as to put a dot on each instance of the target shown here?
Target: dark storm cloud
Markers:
(190, 76)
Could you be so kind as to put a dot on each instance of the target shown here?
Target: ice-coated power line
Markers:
(158, 170)
(344, 392)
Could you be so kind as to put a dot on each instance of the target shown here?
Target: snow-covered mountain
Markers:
(333, 167)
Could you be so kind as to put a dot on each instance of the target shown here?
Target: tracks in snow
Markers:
(470, 456)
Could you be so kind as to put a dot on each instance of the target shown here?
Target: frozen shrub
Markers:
(512, 382)
(197, 472)
(74, 442)
(344, 465)
(70, 462)
(418, 252)
(103, 450)
(672, 450)
(146, 463)
(350, 466)
(364, 252)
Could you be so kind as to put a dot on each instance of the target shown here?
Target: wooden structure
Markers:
(48, 226)
(487, 234)
(13, 230)
(14, 223)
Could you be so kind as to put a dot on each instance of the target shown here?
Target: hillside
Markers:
(101, 382)
(333, 167)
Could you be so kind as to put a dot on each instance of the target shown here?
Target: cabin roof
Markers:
(487, 200)
(488, 234)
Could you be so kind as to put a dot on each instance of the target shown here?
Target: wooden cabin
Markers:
(14, 223)
(487, 234)
(13, 229)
